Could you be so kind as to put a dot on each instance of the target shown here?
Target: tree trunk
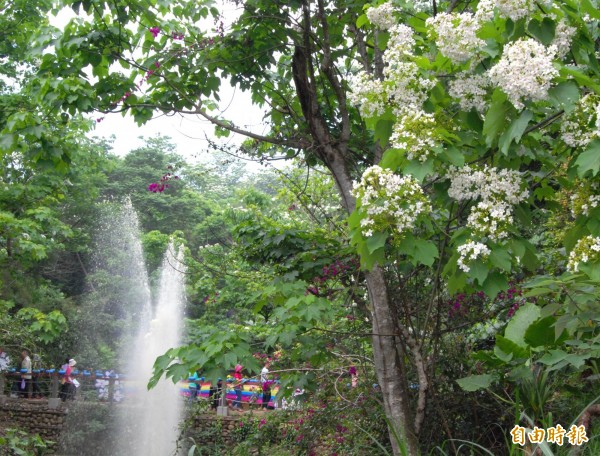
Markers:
(386, 342)
(389, 365)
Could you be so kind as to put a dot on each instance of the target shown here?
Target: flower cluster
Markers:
(382, 16)
(582, 125)
(414, 133)
(455, 35)
(400, 45)
(470, 90)
(420, 5)
(516, 9)
(562, 38)
(162, 184)
(471, 251)
(389, 202)
(525, 71)
(587, 250)
(368, 94)
(485, 10)
(585, 199)
(488, 184)
(405, 86)
(491, 219)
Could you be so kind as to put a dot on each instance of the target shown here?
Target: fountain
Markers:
(120, 301)
(157, 411)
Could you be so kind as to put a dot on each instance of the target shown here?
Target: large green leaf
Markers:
(515, 131)
(589, 160)
(510, 347)
(495, 119)
(475, 382)
(541, 333)
(521, 320)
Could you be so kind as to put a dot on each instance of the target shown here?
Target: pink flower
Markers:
(154, 30)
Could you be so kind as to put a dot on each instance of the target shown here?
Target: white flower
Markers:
(382, 16)
(516, 9)
(406, 87)
(582, 125)
(389, 202)
(455, 35)
(587, 250)
(470, 252)
(414, 133)
(563, 37)
(370, 95)
(491, 219)
(525, 71)
(488, 184)
(585, 199)
(485, 10)
(471, 90)
(400, 44)
(420, 5)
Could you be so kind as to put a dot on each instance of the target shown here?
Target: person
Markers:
(4, 360)
(67, 390)
(4, 363)
(237, 387)
(25, 374)
(266, 396)
(264, 373)
(217, 394)
(266, 385)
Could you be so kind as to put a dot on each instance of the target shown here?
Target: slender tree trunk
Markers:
(389, 365)
(332, 152)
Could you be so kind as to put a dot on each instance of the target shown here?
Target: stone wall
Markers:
(33, 417)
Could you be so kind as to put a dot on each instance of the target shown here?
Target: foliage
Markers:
(19, 443)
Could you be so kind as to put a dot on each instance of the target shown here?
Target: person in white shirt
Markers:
(4, 360)
(25, 376)
(264, 373)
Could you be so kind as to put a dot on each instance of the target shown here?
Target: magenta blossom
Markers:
(154, 30)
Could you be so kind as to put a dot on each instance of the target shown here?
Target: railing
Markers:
(113, 388)
(47, 384)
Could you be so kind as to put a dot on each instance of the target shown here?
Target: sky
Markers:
(188, 132)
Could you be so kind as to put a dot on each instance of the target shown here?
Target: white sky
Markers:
(187, 132)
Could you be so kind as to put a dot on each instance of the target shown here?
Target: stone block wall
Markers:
(33, 417)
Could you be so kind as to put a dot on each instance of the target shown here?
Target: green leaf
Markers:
(494, 284)
(478, 271)
(553, 357)
(500, 258)
(544, 30)
(475, 382)
(418, 169)
(580, 77)
(589, 160)
(383, 131)
(515, 131)
(523, 317)
(495, 119)
(454, 156)
(565, 95)
(541, 333)
(510, 347)
(425, 252)
(362, 20)
(376, 242)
